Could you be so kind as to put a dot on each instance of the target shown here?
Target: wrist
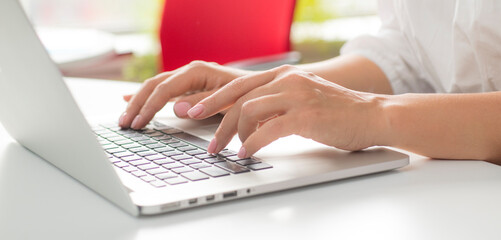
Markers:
(381, 118)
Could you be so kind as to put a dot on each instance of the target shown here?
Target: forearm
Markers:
(353, 72)
(448, 126)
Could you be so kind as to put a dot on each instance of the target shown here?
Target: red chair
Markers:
(251, 34)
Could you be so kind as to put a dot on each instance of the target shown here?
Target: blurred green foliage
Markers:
(312, 11)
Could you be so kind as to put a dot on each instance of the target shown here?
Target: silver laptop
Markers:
(158, 169)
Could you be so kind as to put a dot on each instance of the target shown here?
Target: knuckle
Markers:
(197, 64)
(162, 87)
(248, 109)
(286, 68)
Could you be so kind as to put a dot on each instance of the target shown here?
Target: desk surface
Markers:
(429, 199)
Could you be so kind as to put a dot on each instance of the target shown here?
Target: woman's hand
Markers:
(188, 85)
(284, 101)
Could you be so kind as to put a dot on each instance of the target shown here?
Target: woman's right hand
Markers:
(187, 85)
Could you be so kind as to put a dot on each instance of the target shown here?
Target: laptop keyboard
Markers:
(162, 155)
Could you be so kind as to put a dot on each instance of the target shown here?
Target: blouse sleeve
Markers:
(391, 51)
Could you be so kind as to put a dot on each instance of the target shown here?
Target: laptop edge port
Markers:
(229, 194)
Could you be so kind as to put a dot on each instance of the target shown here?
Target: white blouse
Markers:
(443, 46)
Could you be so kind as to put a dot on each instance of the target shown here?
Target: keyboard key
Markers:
(227, 153)
(155, 145)
(190, 161)
(182, 169)
(163, 161)
(130, 169)
(169, 141)
(139, 173)
(156, 171)
(116, 139)
(166, 175)
(187, 148)
(139, 138)
(173, 165)
(114, 159)
(195, 176)
(164, 149)
(146, 153)
(248, 161)
(231, 167)
(158, 183)
(259, 166)
(121, 164)
(214, 171)
(172, 153)
(147, 166)
(149, 131)
(200, 165)
(233, 158)
(139, 162)
(146, 142)
(177, 145)
(148, 178)
(204, 156)
(109, 146)
(195, 152)
(163, 137)
(176, 180)
(131, 158)
(181, 157)
(108, 135)
(132, 145)
(123, 154)
(123, 142)
(115, 150)
(155, 157)
(213, 160)
(138, 149)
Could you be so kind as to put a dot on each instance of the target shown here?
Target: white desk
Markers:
(426, 200)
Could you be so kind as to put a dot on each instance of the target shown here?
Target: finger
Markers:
(229, 94)
(257, 111)
(174, 86)
(138, 100)
(225, 132)
(184, 104)
(272, 130)
(127, 97)
(229, 125)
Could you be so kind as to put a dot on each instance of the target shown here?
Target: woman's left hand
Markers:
(286, 100)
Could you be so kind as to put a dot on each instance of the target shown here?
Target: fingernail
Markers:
(181, 109)
(196, 110)
(212, 146)
(121, 120)
(242, 153)
(136, 121)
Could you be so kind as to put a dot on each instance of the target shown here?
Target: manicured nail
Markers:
(135, 122)
(242, 153)
(212, 146)
(121, 120)
(181, 109)
(196, 110)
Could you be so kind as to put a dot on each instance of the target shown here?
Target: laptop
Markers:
(160, 168)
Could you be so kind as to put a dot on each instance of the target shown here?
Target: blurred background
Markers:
(118, 39)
